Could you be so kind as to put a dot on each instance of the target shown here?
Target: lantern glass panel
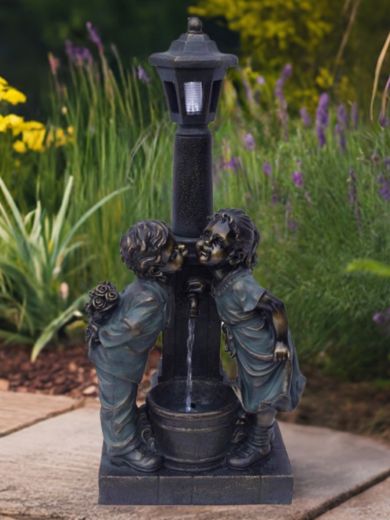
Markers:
(193, 95)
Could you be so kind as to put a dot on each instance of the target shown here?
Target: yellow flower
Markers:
(34, 138)
(33, 125)
(11, 95)
(324, 79)
(19, 147)
(11, 122)
(60, 137)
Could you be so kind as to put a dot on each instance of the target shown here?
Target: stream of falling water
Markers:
(190, 346)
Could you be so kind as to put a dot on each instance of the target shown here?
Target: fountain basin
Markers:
(196, 440)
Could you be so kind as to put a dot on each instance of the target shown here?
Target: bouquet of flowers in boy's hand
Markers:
(103, 299)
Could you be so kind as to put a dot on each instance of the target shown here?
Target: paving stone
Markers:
(50, 470)
(20, 410)
(373, 504)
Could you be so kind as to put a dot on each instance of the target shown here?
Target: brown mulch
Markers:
(356, 407)
(63, 370)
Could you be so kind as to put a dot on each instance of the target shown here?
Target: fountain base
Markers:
(269, 482)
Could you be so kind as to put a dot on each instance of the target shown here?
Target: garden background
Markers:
(301, 142)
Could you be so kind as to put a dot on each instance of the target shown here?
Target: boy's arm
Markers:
(276, 310)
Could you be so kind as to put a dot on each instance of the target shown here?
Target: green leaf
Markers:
(90, 212)
(54, 326)
(365, 265)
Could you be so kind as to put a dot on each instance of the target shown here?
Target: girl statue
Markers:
(256, 328)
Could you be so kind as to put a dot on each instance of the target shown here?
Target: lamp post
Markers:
(192, 71)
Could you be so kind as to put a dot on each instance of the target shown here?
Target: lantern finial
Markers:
(194, 25)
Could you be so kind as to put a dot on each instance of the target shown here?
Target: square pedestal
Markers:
(270, 482)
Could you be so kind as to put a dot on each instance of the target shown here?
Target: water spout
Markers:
(190, 346)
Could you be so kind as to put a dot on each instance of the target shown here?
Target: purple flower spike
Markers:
(322, 118)
(260, 80)
(340, 133)
(322, 110)
(305, 117)
(234, 164)
(78, 55)
(297, 178)
(249, 141)
(94, 36)
(267, 169)
(292, 224)
(382, 317)
(342, 115)
(341, 126)
(248, 92)
(353, 196)
(282, 102)
(384, 121)
(384, 187)
(378, 318)
(287, 71)
(142, 75)
(354, 116)
(279, 89)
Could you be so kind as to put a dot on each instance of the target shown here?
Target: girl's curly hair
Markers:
(141, 248)
(245, 233)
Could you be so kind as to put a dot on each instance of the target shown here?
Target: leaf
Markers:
(365, 265)
(53, 327)
(90, 212)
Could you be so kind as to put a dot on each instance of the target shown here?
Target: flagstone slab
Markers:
(19, 410)
(373, 504)
(50, 470)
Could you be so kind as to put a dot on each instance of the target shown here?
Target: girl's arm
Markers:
(275, 308)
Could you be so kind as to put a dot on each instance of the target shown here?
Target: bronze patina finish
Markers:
(120, 336)
(193, 280)
(256, 328)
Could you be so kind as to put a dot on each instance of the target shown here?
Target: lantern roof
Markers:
(194, 50)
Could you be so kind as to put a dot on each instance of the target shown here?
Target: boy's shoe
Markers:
(140, 459)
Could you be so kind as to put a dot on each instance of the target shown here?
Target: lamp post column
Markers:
(192, 181)
(192, 71)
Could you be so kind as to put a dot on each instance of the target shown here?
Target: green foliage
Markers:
(365, 265)
(310, 233)
(121, 138)
(323, 39)
(34, 269)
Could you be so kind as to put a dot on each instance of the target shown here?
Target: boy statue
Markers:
(122, 330)
(256, 328)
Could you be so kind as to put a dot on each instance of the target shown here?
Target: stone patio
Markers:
(49, 469)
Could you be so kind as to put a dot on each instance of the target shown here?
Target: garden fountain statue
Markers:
(189, 281)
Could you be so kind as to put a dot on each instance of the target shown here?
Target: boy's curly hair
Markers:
(245, 233)
(141, 248)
